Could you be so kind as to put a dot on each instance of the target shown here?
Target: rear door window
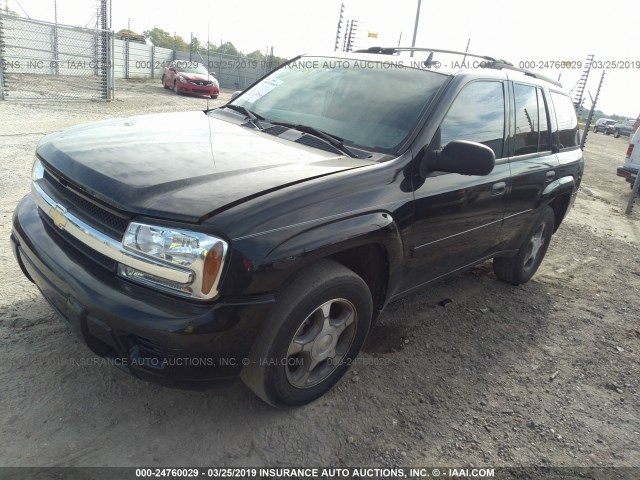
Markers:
(531, 123)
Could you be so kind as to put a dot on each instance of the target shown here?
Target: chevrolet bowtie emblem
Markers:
(57, 215)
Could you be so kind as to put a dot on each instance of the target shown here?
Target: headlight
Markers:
(199, 253)
(182, 79)
(215, 82)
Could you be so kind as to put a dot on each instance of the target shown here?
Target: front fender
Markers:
(340, 235)
(344, 235)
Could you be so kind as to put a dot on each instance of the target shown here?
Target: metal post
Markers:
(1, 61)
(126, 58)
(335, 48)
(56, 57)
(153, 61)
(112, 64)
(344, 40)
(415, 29)
(593, 108)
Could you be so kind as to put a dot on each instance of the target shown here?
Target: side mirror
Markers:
(235, 94)
(460, 156)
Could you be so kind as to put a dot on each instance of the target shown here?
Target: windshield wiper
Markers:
(331, 139)
(254, 117)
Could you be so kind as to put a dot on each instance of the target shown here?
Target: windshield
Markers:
(191, 67)
(369, 104)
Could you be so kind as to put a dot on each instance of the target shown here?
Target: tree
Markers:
(195, 44)
(229, 49)
(256, 55)
(162, 38)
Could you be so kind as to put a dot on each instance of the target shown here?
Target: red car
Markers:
(190, 77)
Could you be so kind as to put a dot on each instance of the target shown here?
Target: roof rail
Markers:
(490, 62)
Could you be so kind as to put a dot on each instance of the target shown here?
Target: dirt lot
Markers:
(545, 374)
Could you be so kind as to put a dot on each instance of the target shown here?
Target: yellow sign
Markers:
(372, 34)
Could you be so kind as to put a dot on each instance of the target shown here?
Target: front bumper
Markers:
(188, 87)
(149, 334)
(628, 173)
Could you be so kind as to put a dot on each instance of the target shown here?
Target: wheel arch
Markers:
(557, 195)
(369, 244)
(560, 205)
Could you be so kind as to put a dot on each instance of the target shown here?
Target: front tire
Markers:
(175, 87)
(616, 134)
(523, 266)
(315, 331)
(164, 82)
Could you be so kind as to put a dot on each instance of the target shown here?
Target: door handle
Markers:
(550, 175)
(498, 188)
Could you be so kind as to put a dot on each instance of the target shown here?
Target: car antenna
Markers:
(213, 157)
(208, 63)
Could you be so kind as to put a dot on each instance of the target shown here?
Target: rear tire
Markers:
(522, 267)
(616, 134)
(310, 339)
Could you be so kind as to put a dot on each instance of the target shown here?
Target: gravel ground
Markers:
(545, 374)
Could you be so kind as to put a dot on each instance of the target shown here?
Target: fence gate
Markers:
(48, 61)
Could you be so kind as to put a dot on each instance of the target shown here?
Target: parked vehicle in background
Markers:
(629, 170)
(602, 124)
(184, 76)
(621, 128)
(261, 239)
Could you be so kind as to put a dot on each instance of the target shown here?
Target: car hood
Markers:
(182, 166)
(196, 76)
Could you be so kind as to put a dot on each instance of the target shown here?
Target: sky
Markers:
(540, 32)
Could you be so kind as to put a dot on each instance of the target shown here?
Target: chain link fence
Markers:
(43, 61)
(137, 60)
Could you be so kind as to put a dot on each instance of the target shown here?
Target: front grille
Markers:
(103, 219)
(64, 239)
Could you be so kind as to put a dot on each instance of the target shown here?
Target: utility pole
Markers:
(582, 85)
(335, 48)
(594, 102)
(415, 29)
(353, 30)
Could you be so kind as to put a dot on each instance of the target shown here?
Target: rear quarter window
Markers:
(568, 135)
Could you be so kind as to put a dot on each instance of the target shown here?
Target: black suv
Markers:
(262, 238)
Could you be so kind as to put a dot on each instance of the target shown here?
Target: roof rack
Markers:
(490, 62)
